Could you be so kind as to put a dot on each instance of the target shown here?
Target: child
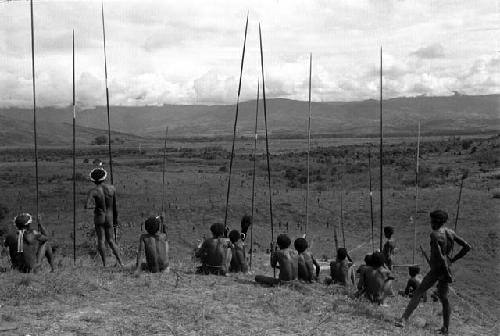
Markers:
(214, 252)
(155, 247)
(376, 280)
(285, 259)
(389, 246)
(238, 259)
(105, 212)
(341, 270)
(28, 247)
(442, 241)
(306, 261)
(413, 282)
(363, 271)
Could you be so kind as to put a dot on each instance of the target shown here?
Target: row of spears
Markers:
(259, 87)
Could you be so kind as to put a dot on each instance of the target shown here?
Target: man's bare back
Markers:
(103, 196)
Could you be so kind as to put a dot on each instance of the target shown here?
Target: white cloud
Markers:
(189, 52)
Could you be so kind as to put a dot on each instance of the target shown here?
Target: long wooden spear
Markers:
(342, 218)
(74, 156)
(308, 146)
(253, 175)
(35, 138)
(416, 195)
(381, 160)
(267, 144)
(234, 127)
(163, 189)
(371, 192)
(107, 110)
(464, 176)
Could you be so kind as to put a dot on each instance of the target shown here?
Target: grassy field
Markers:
(90, 300)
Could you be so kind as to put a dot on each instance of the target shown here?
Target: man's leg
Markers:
(45, 250)
(427, 283)
(108, 233)
(443, 295)
(99, 230)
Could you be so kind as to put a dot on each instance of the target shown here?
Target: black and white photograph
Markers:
(231, 167)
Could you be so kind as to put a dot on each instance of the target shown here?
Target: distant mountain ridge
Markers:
(459, 113)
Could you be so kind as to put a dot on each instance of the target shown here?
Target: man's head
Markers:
(388, 231)
(23, 221)
(301, 244)
(152, 224)
(438, 218)
(283, 241)
(234, 236)
(369, 260)
(378, 259)
(413, 271)
(341, 253)
(246, 221)
(217, 230)
(98, 175)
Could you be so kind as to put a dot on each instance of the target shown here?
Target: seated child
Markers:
(376, 280)
(413, 282)
(215, 252)
(285, 259)
(363, 271)
(155, 247)
(238, 259)
(341, 269)
(28, 246)
(306, 262)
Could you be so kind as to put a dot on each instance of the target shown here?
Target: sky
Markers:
(189, 52)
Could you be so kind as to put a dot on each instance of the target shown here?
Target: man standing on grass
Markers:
(442, 240)
(105, 213)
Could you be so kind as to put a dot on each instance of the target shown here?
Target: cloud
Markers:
(429, 52)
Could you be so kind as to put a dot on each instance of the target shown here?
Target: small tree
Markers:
(100, 140)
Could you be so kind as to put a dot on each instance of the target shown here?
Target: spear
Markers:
(74, 156)
(267, 144)
(464, 176)
(163, 182)
(234, 127)
(416, 195)
(34, 111)
(107, 110)
(308, 146)
(253, 175)
(371, 192)
(381, 160)
(342, 219)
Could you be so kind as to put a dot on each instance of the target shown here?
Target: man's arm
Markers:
(316, 265)
(139, 255)
(274, 259)
(115, 209)
(465, 248)
(90, 200)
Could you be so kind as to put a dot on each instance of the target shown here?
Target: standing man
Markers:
(442, 240)
(105, 213)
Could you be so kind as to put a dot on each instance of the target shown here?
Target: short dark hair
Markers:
(152, 224)
(341, 253)
(369, 260)
(439, 216)
(388, 231)
(217, 229)
(301, 244)
(246, 221)
(413, 270)
(378, 259)
(283, 241)
(234, 236)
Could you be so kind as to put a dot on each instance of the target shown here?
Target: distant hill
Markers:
(438, 115)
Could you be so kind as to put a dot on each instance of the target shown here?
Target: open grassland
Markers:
(80, 300)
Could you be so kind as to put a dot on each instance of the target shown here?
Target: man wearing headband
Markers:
(27, 247)
(105, 213)
(442, 241)
(155, 246)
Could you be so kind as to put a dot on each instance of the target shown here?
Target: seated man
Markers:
(306, 261)
(28, 246)
(285, 259)
(363, 271)
(341, 269)
(214, 252)
(376, 280)
(238, 259)
(155, 248)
